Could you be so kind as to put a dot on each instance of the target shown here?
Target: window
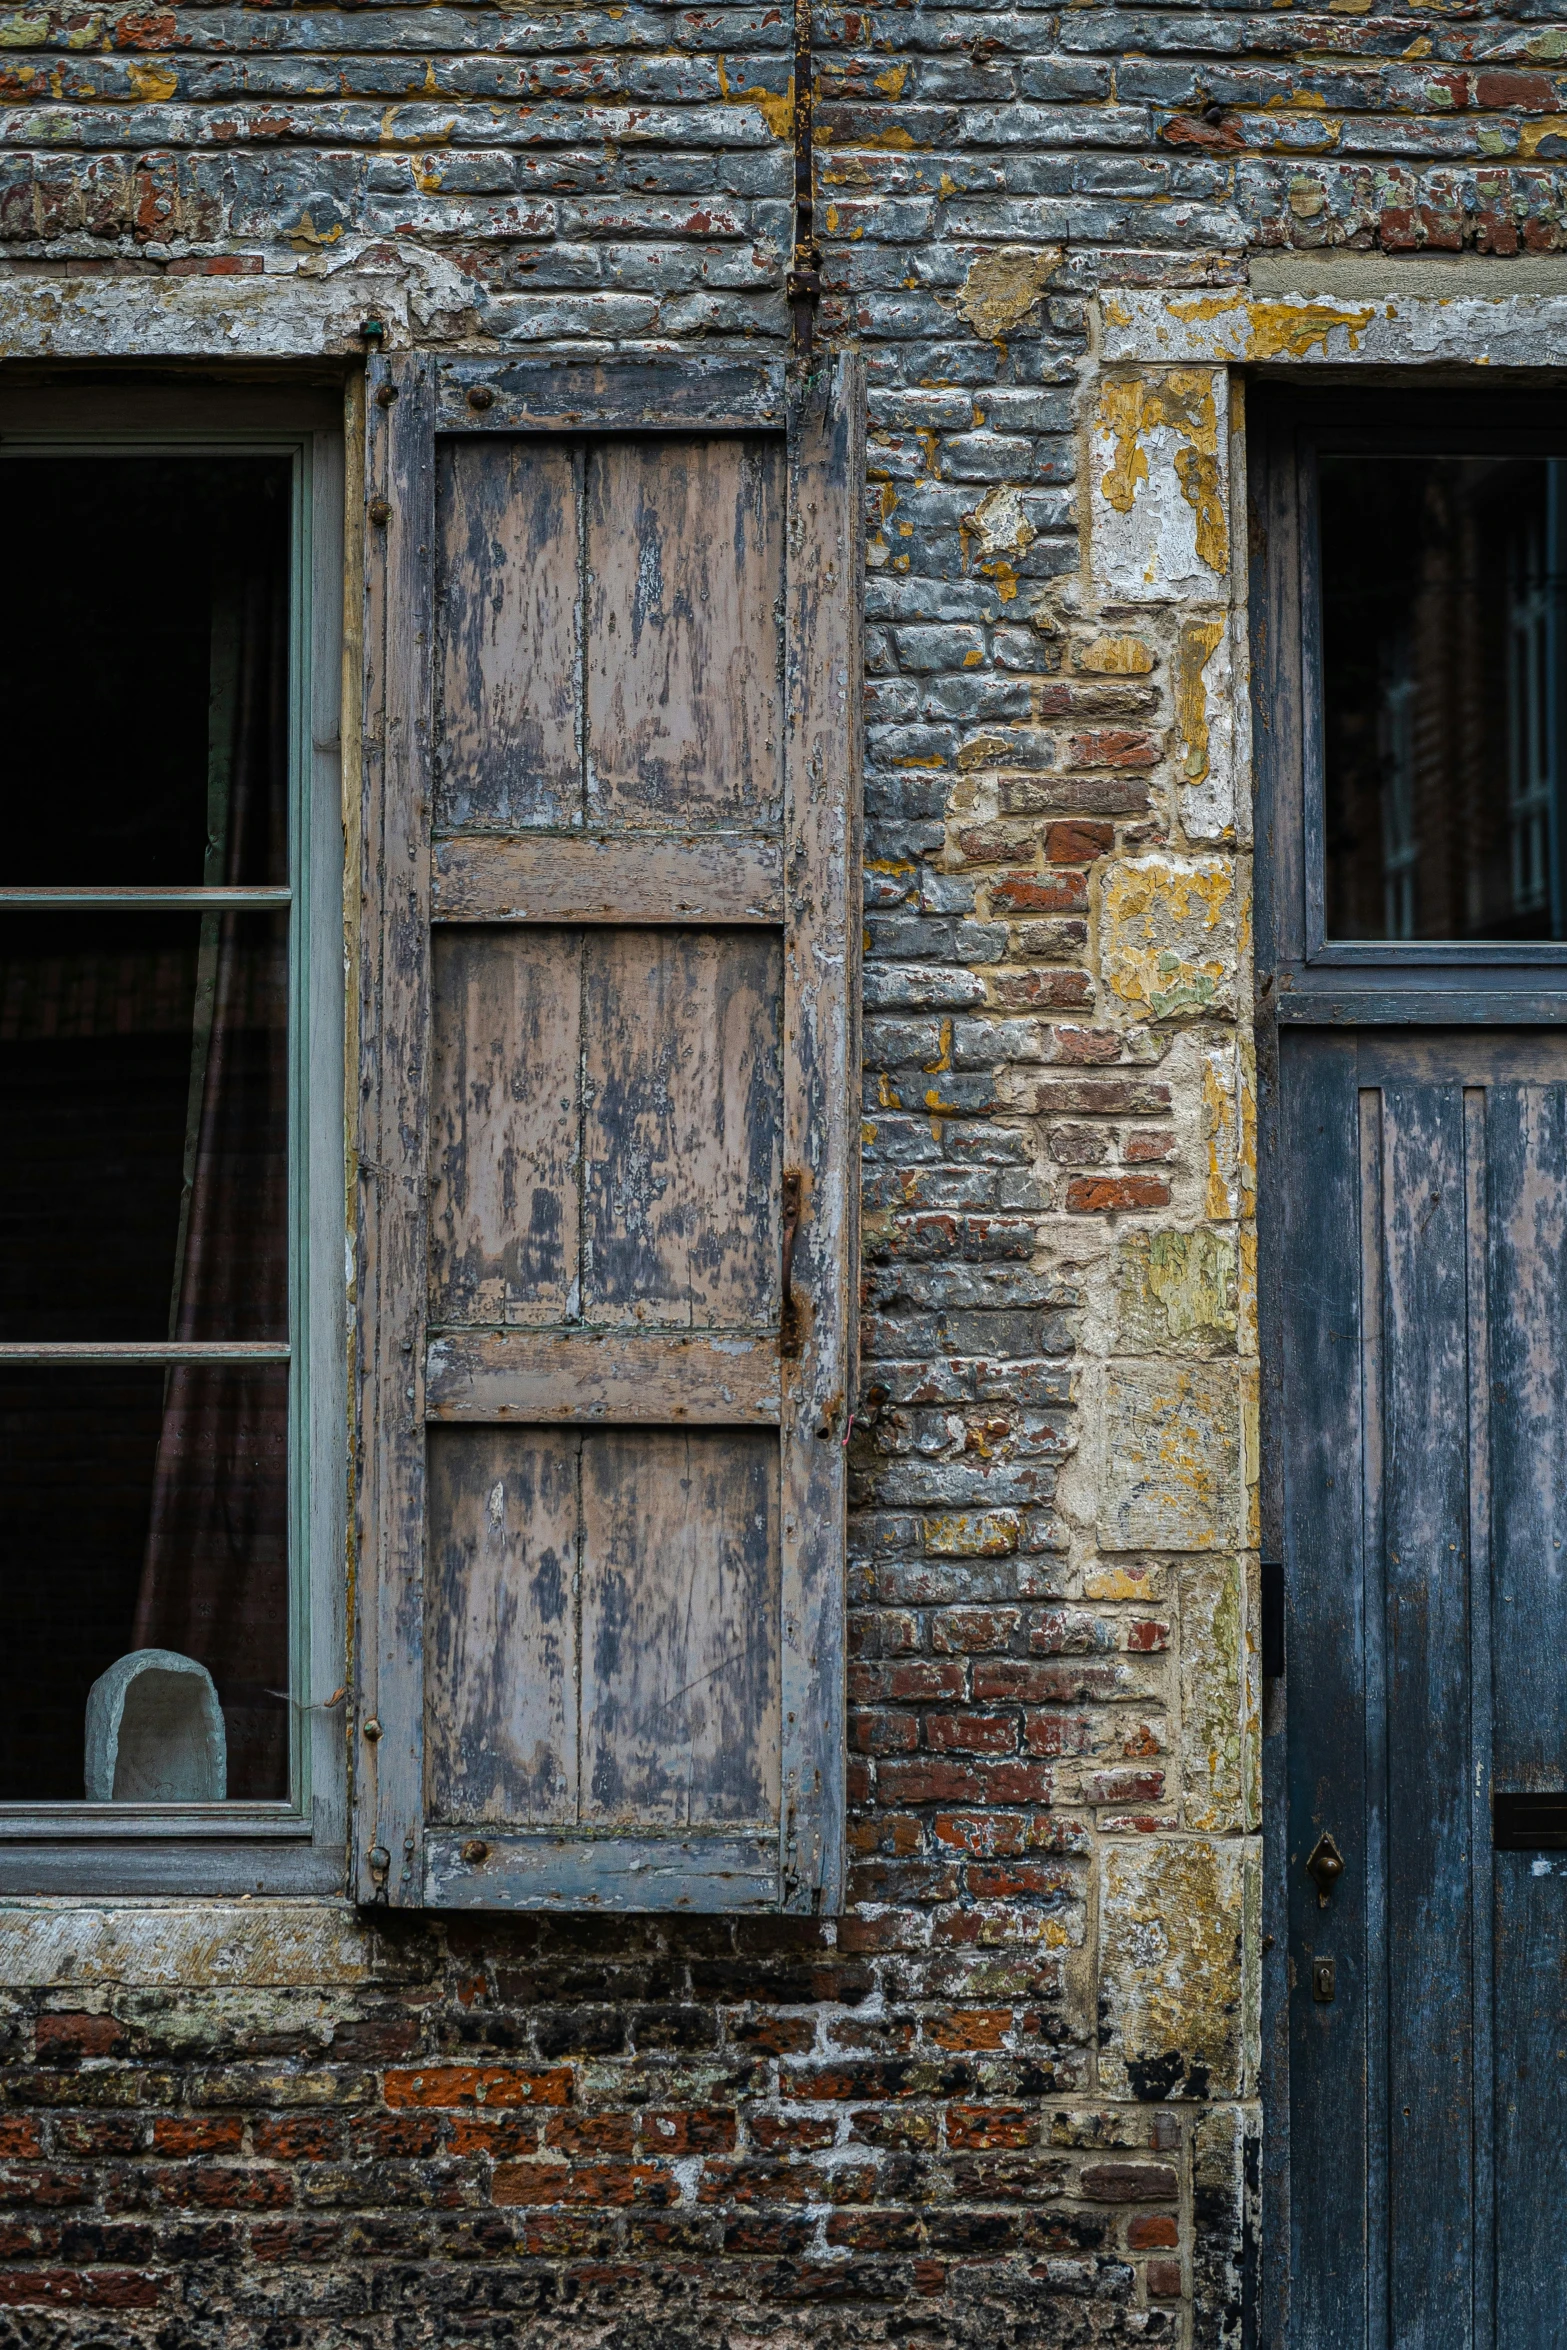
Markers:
(1411, 585)
(170, 1195)
(1441, 616)
(608, 1087)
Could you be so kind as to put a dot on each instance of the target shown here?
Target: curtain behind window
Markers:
(214, 1581)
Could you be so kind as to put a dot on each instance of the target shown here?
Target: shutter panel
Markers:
(609, 1078)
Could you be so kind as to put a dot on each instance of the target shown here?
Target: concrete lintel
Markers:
(1234, 327)
(265, 317)
(223, 1945)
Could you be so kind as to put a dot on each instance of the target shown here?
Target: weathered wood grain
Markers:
(553, 395)
(613, 1873)
(501, 1640)
(680, 1627)
(509, 619)
(713, 877)
(681, 650)
(681, 1134)
(587, 1375)
(504, 1125)
(392, 1152)
(821, 1130)
(622, 1026)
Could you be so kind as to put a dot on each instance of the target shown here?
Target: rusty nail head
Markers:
(380, 1860)
(381, 510)
(475, 1851)
(372, 1729)
(385, 395)
(480, 396)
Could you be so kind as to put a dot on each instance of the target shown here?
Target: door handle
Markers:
(1325, 1867)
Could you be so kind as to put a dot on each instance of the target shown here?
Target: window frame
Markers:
(296, 1845)
(1308, 975)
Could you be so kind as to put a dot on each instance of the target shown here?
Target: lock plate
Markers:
(1324, 1981)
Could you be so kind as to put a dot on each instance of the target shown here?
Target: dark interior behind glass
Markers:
(1442, 666)
(144, 1080)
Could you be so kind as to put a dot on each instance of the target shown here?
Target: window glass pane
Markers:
(1442, 665)
(144, 670)
(144, 1097)
(144, 1509)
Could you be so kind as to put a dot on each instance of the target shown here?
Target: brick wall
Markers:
(1011, 2097)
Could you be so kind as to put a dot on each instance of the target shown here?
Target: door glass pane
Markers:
(1442, 664)
(144, 1508)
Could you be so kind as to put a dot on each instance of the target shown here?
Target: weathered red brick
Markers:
(64, 2039)
(1101, 1195)
(1078, 842)
(1114, 746)
(476, 2084)
(92, 2288)
(1061, 892)
(1129, 2182)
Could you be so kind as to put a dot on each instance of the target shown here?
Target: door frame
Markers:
(1298, 986)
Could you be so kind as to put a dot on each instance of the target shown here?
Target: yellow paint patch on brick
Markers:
(985, 1534)
(22, 31)
(1199, 640)
(776, 107)
(1172, 1923)
(1175, 1293)
(1278, 330)
(1532, 135)
(153, 84)
(1139, 1579)
(1002, 287)
(1168, 936)
(1116, 656)
(891, 82)
(305, 237)
(1180, 399)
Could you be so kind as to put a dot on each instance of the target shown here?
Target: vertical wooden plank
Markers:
(821, 1121)
(504, 1210)
(392, 1149)
(681, 1134)
(1426, 1565)
(679, 1627)
(509, 616)
(1482, 1984)
(1527, 1168)
(502, 1683)
(685, 569)
(1319, 1242)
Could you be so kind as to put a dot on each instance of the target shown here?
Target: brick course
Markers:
(1010, 2096)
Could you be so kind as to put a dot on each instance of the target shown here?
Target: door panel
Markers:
(1424, 1360)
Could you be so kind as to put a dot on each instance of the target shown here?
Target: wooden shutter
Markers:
(609, 1066)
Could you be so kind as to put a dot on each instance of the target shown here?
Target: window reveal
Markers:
(144, 1066)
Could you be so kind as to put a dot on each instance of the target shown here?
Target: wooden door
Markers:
(1421, 1203)
(608, 1313)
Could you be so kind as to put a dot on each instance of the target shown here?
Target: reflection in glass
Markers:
(141, 1508)
(1442, 668)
